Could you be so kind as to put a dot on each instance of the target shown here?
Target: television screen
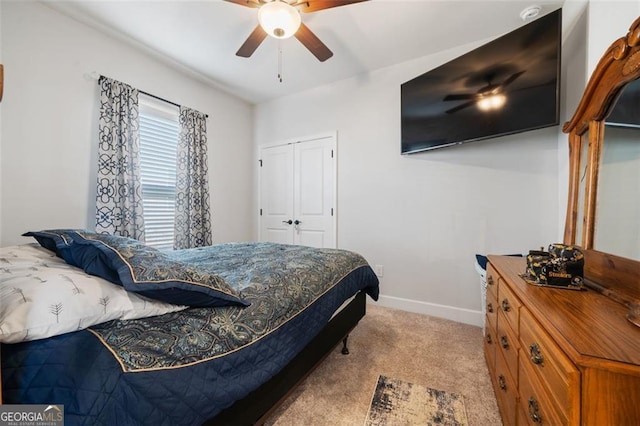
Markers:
(507, 86)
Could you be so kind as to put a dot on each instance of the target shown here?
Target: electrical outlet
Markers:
(379, 270)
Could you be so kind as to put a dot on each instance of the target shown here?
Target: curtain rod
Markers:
(158, 98)
(94, 75)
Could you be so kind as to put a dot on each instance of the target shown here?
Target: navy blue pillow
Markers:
(93, 261)
(150, 272)
(58, 241)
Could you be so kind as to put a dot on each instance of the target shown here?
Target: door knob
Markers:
(296, 222)
(288, 222)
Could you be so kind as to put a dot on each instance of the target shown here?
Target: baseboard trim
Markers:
(466, 316)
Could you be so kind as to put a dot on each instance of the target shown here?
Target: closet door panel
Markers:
(314, 193)
(276, 195)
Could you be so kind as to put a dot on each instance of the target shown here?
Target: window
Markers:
(159, 135)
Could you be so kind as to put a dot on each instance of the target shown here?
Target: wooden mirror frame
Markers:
(618, 66)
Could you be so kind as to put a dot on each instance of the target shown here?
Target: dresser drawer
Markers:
(492, 298)
(490, 342)
(534, 400)
(509, 305)
(506, 390)
(492, 313)
(523, 416)
(491, 278)
(556, 372)
(507, 343)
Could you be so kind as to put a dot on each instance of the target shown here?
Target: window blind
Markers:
(159, 133)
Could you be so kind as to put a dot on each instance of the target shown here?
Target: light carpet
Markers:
(435, 352)
(396, 402)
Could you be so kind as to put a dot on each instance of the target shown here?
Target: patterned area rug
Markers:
(396, 403)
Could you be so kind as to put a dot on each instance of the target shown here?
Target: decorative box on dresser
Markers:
(559, 357)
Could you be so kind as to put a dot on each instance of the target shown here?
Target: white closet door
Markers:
(276, 195)
(314, 193)
(305, 213)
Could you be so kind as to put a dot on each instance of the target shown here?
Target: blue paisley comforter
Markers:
(185, 367)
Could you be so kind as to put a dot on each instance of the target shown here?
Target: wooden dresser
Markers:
(559, 357)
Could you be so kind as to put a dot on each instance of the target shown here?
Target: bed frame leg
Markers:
(345, 349)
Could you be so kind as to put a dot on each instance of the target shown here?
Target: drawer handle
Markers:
(535, 355)
(490, 307)
(505, 305)
(502, 382)
(489, 340)
(534, 411)
(489, 280)
(504, 342)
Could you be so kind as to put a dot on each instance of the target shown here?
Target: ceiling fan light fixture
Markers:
(491, 102)
(279, 19)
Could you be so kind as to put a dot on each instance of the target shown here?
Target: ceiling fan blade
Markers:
(460, 97)
(313, 43)
(247, 3)
(535, 86)
(511, 79)
(252, 42)
(459, 107)
(316, 5)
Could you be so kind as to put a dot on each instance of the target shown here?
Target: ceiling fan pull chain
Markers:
(280, 61)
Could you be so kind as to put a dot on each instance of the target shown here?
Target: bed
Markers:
(214, 335)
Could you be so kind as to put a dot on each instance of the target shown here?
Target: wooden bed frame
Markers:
(256, 407)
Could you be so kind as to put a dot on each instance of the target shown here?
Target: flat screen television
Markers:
(507, 86)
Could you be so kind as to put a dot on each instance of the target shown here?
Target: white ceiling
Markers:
(202, 37)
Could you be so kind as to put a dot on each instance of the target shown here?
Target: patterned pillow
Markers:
(42, 296)
(150, 272)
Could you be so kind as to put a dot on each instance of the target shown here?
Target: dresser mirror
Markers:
(617, 224)
(603, 210)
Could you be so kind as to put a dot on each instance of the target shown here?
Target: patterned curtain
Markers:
(119, 192)
(193, 216)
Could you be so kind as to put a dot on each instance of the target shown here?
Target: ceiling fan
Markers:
(489, 97)
(281, 19)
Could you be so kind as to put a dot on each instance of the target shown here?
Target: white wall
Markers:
(50, 124)
(608, 21)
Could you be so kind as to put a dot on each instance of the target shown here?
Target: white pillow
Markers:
(42, 296)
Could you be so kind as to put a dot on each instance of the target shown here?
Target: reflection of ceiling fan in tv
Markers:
(487, 98)
(281, 19)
